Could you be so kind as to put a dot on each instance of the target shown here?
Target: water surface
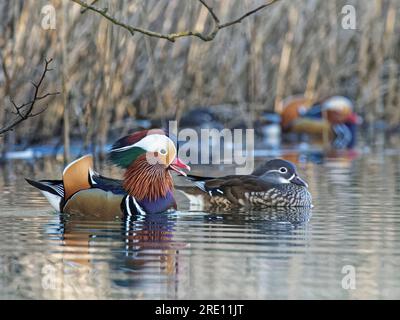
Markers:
(296, 254)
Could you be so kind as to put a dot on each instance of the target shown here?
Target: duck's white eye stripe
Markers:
(154, 142)
(272, 171)
(123, 148)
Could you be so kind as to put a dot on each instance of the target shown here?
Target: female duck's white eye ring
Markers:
(283, 170)
(163, 152)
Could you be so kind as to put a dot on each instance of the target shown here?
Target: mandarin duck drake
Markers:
(147, 187)
(275, 184)
(332, 118)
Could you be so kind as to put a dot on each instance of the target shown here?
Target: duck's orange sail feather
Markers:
(76, 176)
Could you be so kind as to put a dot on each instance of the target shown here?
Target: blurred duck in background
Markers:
(333, 120)
(201, 118)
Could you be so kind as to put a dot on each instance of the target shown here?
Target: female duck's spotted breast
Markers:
(286, 195)
(278, 196)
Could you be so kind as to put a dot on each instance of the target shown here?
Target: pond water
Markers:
(353, 230)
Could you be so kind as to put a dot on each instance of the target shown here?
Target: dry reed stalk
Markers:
(241, 66)
(65, 84)
(285, 58)
(312, 80)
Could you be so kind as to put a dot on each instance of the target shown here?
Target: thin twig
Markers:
(85, 9)
(173, 36)
(239, 20)
(211, 11)
(25, 110)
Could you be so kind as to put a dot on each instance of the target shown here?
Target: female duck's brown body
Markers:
(276, 185)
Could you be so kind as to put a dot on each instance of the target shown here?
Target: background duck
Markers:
(275, 184)
(147, 187)
(331, 119)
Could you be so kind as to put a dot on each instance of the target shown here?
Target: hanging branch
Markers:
(83, 10)
(26, 110)
(173, 36)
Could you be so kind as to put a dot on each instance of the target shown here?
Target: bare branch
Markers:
(211, 11)
(39, 112)
(25, 110)
(239, 20)
(173, 36)
(85, 9)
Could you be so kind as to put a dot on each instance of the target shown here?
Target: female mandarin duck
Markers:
(147, 157)
(275, 184)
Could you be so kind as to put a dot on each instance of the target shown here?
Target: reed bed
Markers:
(109, 78)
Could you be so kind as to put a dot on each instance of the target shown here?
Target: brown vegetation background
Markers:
(109, 78)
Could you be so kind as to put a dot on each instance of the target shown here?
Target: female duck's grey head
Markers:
(280, 171)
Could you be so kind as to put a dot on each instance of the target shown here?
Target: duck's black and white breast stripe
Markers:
(130, 207)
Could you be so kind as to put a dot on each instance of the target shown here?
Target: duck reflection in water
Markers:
(271, 219)
(137, 244)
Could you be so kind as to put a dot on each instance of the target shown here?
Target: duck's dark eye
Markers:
(283, 170)
(163, 152)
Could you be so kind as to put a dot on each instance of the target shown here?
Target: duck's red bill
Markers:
(177, 165)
